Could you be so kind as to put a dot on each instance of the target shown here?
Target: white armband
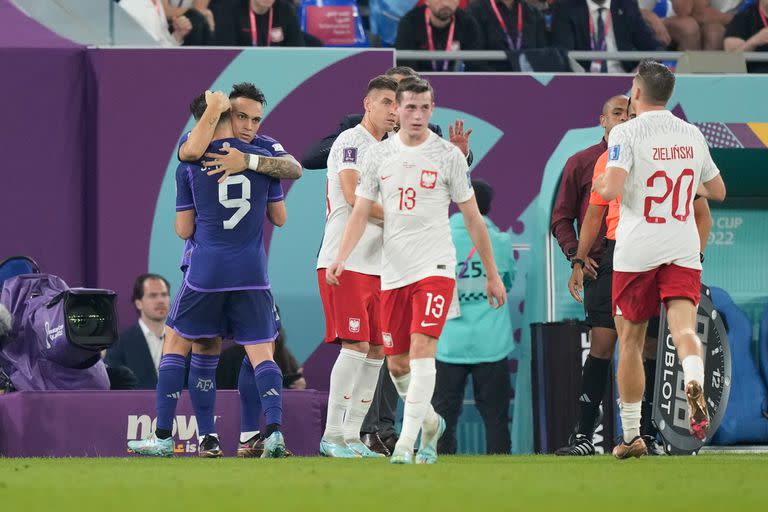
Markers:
(253, 162)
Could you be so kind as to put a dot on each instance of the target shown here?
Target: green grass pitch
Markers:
(650, 484)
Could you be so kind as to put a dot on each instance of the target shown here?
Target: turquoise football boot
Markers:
(363, 451)
(401, 456)
(152, 446)
(337, 450)
(274, 446)
(427, 453)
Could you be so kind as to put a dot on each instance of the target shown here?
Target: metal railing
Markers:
(475, 55)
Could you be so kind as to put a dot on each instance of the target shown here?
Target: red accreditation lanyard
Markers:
(762, 16)
(255, 30)
(466, 262)
(431, 42)
(504, 25)
(593, 35)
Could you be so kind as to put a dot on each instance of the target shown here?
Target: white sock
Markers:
(418, 401)
(693, 369)
(343, 378)
(246, 436)
(364, 388)
(401, 384)
(630, 419)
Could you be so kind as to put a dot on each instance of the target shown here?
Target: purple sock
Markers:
(269, 381)
(250, 402)
(170, 382)
(202, 390)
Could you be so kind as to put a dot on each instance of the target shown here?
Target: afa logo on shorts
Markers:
(387, 339)
(354, 325)
(614, 152)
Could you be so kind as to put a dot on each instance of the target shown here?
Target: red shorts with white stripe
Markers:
(637, 295)
(352, 308)
(419, 307)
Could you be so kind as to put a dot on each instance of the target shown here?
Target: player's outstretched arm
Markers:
(202, 133)
(352, 233)
(478, 233)
(713, 189)
(185, 224)
(232, 161)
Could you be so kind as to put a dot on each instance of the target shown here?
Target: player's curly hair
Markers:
(248, 90)
(657, 80)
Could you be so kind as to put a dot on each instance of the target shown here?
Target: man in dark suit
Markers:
(602, 25)
(140, 346)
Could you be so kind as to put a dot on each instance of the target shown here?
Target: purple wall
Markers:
(41, 194)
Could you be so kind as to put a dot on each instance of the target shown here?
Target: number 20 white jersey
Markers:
(417, 185)
(665, 158)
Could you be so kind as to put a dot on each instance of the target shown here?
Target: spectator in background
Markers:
(199, 15)
(140, 346)
(479, 341)
(439, 26)
(150, 14)
(713, 16)
(602, 25)
(508, 25)
(672, 23)
(257, 23)
(748, 32)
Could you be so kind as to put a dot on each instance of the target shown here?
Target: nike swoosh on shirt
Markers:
(426, 324)
(385, 177)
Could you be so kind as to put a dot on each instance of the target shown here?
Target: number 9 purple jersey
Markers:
(227, 251)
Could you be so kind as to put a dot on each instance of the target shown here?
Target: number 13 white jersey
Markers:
(417, 185)
(666, 159)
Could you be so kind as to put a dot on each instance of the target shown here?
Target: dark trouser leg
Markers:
(382, 414)
(447, 401)
(493, 391)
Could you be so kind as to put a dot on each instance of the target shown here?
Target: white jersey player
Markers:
(658, 163)
(352, 308)
(417, 175)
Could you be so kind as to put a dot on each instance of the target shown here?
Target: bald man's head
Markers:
(614, 112)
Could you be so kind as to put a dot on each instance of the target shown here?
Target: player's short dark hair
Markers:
(657, 80)
(415, 85)
(247, 90)
(483, 195)
(138, 285)
(382, 83)
(198, 106)
(402, 70)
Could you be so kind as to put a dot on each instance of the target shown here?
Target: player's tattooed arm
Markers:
(232, 161)
(281, 167)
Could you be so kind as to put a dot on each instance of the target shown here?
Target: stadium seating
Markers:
(17, 265)
(334, 22)
(745, 418)
(384, 17)
(762, 344)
